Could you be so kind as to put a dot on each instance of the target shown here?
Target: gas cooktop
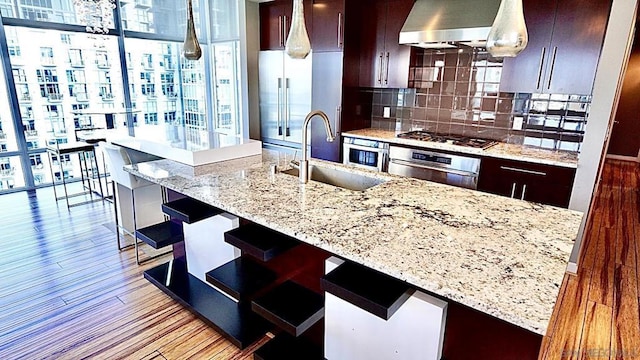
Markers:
(448, 139)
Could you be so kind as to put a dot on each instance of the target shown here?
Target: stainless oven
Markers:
(368, 154)
(444, 168)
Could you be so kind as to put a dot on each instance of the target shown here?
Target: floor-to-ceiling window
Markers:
(54, 69)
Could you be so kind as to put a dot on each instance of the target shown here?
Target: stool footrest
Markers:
(162, 234)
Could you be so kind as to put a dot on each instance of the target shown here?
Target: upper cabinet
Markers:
(275, 22)
(565, 39)
(328, 25)
(383, 61)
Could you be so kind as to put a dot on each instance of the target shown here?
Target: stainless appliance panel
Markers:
(271, 75)
(367, 154)
(297, 96)
(326, 96)
(444, 168)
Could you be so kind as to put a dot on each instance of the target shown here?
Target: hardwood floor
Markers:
(597, 314)
(66, 292)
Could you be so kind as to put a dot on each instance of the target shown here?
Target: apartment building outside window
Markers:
(46, 56)
(73, 70)
(75, 58)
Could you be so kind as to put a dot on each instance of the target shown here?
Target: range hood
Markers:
(449, 23)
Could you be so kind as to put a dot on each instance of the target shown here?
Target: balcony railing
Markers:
(2, 135)
(25, 97)
(82, 97)
(107, 97)
(47, 61)
(8, 172)
(31, 133)
(54, 97)
(144, 4)
(76, 63)
(103, 64)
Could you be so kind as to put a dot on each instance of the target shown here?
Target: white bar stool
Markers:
(145, 198)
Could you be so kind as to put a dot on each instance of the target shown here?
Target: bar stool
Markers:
(149, 206)
(82, 149)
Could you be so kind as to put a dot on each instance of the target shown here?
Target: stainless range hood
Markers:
(449, 23)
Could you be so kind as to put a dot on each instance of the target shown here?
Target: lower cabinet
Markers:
(544, 184)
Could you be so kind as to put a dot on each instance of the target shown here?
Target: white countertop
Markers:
(500, 150)
(501, 256)
(219, 147)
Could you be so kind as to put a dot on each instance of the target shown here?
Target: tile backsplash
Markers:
(457, 92)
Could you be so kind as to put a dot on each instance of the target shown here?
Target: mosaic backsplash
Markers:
(457, 92)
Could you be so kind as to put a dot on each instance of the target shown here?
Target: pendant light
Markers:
(298, 45)
(191, 47)
(508, 35)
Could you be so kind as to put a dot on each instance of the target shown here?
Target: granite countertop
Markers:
(501, 256)
(501, 150)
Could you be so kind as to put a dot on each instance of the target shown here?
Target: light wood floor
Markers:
(67, 293)
(597, 314)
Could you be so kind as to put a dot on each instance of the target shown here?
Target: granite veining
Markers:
(501, 256)
(500, 150)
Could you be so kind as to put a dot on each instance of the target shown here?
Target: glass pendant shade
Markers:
(298, 45)
(508, 35)
(191, 47)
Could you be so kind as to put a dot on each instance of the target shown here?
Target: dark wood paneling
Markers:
(396, 74)
(275, 23)
(372, 36)
(625, 137)
(578, 34)
(525, 73)
(328, 25)
(532, 182)
(565, 39)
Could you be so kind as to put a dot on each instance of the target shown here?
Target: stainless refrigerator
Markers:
(327, 96)
(285, 97)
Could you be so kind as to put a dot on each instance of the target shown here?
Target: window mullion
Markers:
(14, 106)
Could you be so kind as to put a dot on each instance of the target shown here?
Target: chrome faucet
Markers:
(303, 165)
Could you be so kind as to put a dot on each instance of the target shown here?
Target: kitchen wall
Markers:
(625, 136)
(456, 91)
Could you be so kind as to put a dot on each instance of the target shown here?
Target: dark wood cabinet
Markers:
(275, 22)
(328, 25)
(539, 183)
(383, 61)
(565, 39)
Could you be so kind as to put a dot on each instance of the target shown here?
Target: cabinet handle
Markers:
(279, 106)
(340, 30)
(386, 76)
(524, 190)
(280, 26)
(287, 112)
(532, 172)
(338, 120)
(544, 50)
(380, 69)
(513, 190)
(286, 30)
(553, 65)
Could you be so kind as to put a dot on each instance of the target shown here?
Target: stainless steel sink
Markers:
(339, 178)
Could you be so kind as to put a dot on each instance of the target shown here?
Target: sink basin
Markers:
(339, 178)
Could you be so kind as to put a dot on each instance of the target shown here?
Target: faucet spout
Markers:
(304, 162)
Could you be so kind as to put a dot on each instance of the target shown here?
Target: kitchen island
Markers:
(500, 256)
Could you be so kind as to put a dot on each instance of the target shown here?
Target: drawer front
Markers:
(527, 171)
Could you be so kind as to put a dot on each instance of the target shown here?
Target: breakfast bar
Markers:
(500, 256)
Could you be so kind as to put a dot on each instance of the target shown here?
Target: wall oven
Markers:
(368, 154)
(444, 168)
